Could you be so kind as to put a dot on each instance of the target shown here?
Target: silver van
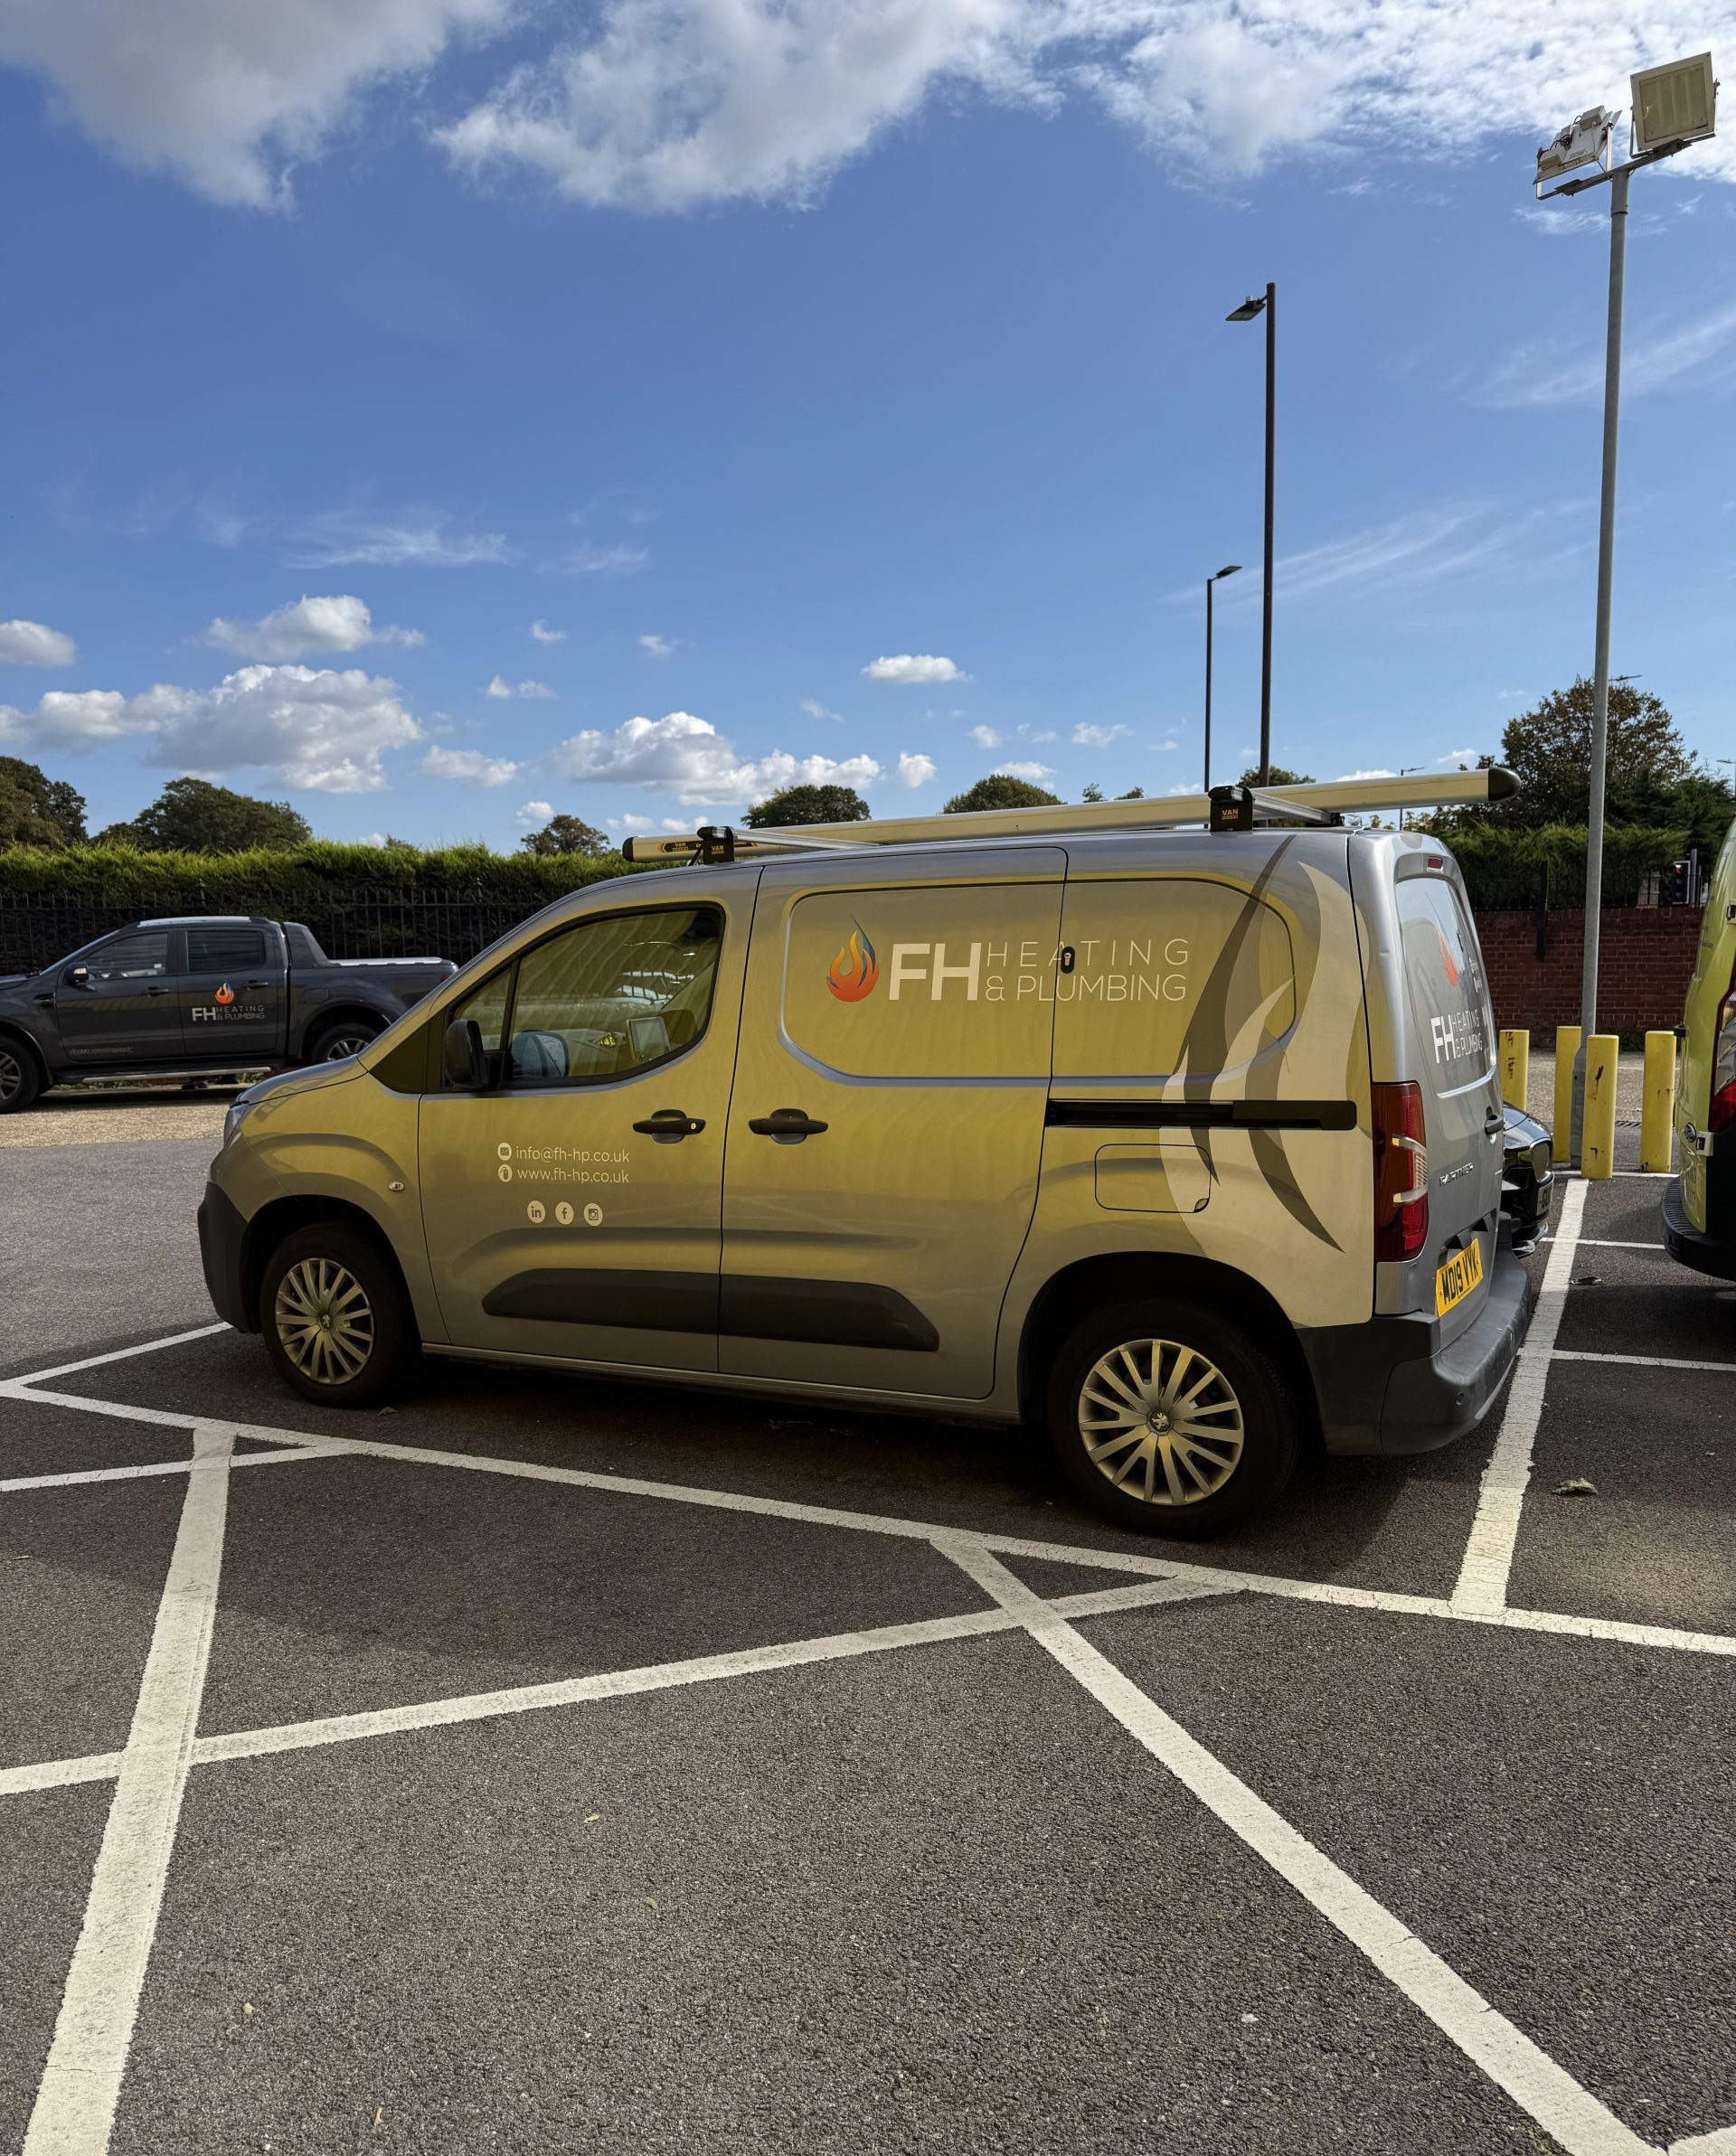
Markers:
(1187, 1142)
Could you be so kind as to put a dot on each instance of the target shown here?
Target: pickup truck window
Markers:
(224, 950)
(141, 958)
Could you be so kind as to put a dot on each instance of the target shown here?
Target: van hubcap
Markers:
(324, 1320)
(343, 1045)
(1161, 1422)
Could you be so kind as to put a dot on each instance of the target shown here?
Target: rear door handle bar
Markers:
(671, 1124)
(787, 1124)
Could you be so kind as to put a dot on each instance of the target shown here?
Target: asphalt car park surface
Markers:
(551, 1764)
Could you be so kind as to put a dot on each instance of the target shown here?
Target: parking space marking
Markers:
(145, 1347)
(1618, 1242)
(151, 1467)
(80, 2085)
(58, 1773)
(1722, 2143)
(1545, 2089)
(1488, 1562)
(1644, 1361)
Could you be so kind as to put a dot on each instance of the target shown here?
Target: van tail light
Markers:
(1721, 1113)
(1400, 1172)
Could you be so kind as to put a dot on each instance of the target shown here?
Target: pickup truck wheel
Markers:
(348, 1037)
(1167, 1418)
(336, 1321)
(20, 1080)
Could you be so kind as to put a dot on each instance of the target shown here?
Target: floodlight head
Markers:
(1674, 105)
(1583, 141)
(1247, 310)
(1230, 570)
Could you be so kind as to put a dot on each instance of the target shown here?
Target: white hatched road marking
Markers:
(1583, 2126)
(1488, 1554)
(1639, 1361)
(74, 2111)
(154, 1467)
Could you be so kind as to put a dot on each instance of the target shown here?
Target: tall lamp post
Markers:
(1673, 107)
(1246, 312)
(1229, 569)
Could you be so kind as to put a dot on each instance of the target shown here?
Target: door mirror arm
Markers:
(463, 1059)
(78, 976)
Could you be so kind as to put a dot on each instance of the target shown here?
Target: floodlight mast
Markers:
(1658, 97)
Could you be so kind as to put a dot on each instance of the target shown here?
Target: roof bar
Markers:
(1336, 798)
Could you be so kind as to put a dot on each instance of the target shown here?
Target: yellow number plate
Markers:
(1461, 1272)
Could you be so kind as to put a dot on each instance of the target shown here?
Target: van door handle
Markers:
(786, 1123)
(256, 983)
(670, 1122)
(157, 991)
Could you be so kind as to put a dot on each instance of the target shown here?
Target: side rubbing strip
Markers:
(1201, 1114)
(843, 1313)
(597, 1296)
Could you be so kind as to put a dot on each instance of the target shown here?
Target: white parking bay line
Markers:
(1641, 1362)
(145, 1347)
(1488, 1553)
(1721, 2142)
(75, 2104)
(1583, 2126)
(155, 1467)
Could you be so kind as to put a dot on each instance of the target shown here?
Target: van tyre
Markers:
(1167, 1419)
(20, 1079)
(338, 1322)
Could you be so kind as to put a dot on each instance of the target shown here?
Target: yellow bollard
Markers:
(1597, 1131)
(1567, 1046)
(1516, 1065)
(1658, 1117)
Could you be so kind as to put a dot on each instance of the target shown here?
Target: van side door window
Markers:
(573, 1207)
(117, 1002)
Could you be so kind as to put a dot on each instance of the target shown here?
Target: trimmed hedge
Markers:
(1506, 867)
(311, 878)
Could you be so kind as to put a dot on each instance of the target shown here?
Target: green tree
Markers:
(807, 805)
(1132, 794)
(567, 834)
(37, 810)
(1548, 749)
(190, 816)
(1000, 789)
(1277, 777)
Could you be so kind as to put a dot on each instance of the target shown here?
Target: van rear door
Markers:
(1450, 1029)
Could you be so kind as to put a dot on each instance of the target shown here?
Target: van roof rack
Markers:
(1223, 809)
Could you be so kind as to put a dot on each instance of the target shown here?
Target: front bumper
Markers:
(1387, 1386)
(1692, 1246)
(223, 1233)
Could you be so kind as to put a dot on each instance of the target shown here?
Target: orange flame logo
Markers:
(853, 973)
(225, 994)
(1447, 960)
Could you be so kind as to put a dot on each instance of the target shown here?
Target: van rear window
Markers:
(1444, 972)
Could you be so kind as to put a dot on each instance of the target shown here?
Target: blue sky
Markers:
(735, 387)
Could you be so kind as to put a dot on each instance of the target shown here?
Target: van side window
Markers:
(614, 995)
(142, 957)
(487, 1006)
(1444, 971)
(224, 950)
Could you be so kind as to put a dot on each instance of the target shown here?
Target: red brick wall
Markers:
(1645, 961)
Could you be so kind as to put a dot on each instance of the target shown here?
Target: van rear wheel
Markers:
(1167, 1419)
(337, 1323)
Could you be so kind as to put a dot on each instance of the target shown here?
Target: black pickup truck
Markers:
(196, 996)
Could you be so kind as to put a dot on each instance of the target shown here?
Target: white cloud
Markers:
(1537, 374)
(1454, 757)
(228, 94)
(533, 692)
(656, 648)
(1038, 740)
(632, 822)
(1345, 777)
(911, 668)
(311, 624)
(532, 816)
(419, 539)
(1099, 737)
(324, 731)
(470, 765)
(681, 103)
(985, 736)
(687, 756)
(914, 770)
(1035, 774)
(546, 635)
(587, 560)
(1178, 793)
(33, 644)
(811, 709)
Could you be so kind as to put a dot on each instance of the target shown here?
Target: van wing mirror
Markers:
(465, 1063)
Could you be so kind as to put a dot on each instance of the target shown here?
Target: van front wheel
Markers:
(338, 1322)
(1164, 1417)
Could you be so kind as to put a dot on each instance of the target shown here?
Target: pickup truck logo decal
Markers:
(225, 994)
(853, 973)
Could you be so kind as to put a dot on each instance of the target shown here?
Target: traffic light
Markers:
(1676, 886)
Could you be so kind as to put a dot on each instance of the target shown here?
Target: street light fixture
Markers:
(1229, 569)
(1246, 312)
(1673, 107)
